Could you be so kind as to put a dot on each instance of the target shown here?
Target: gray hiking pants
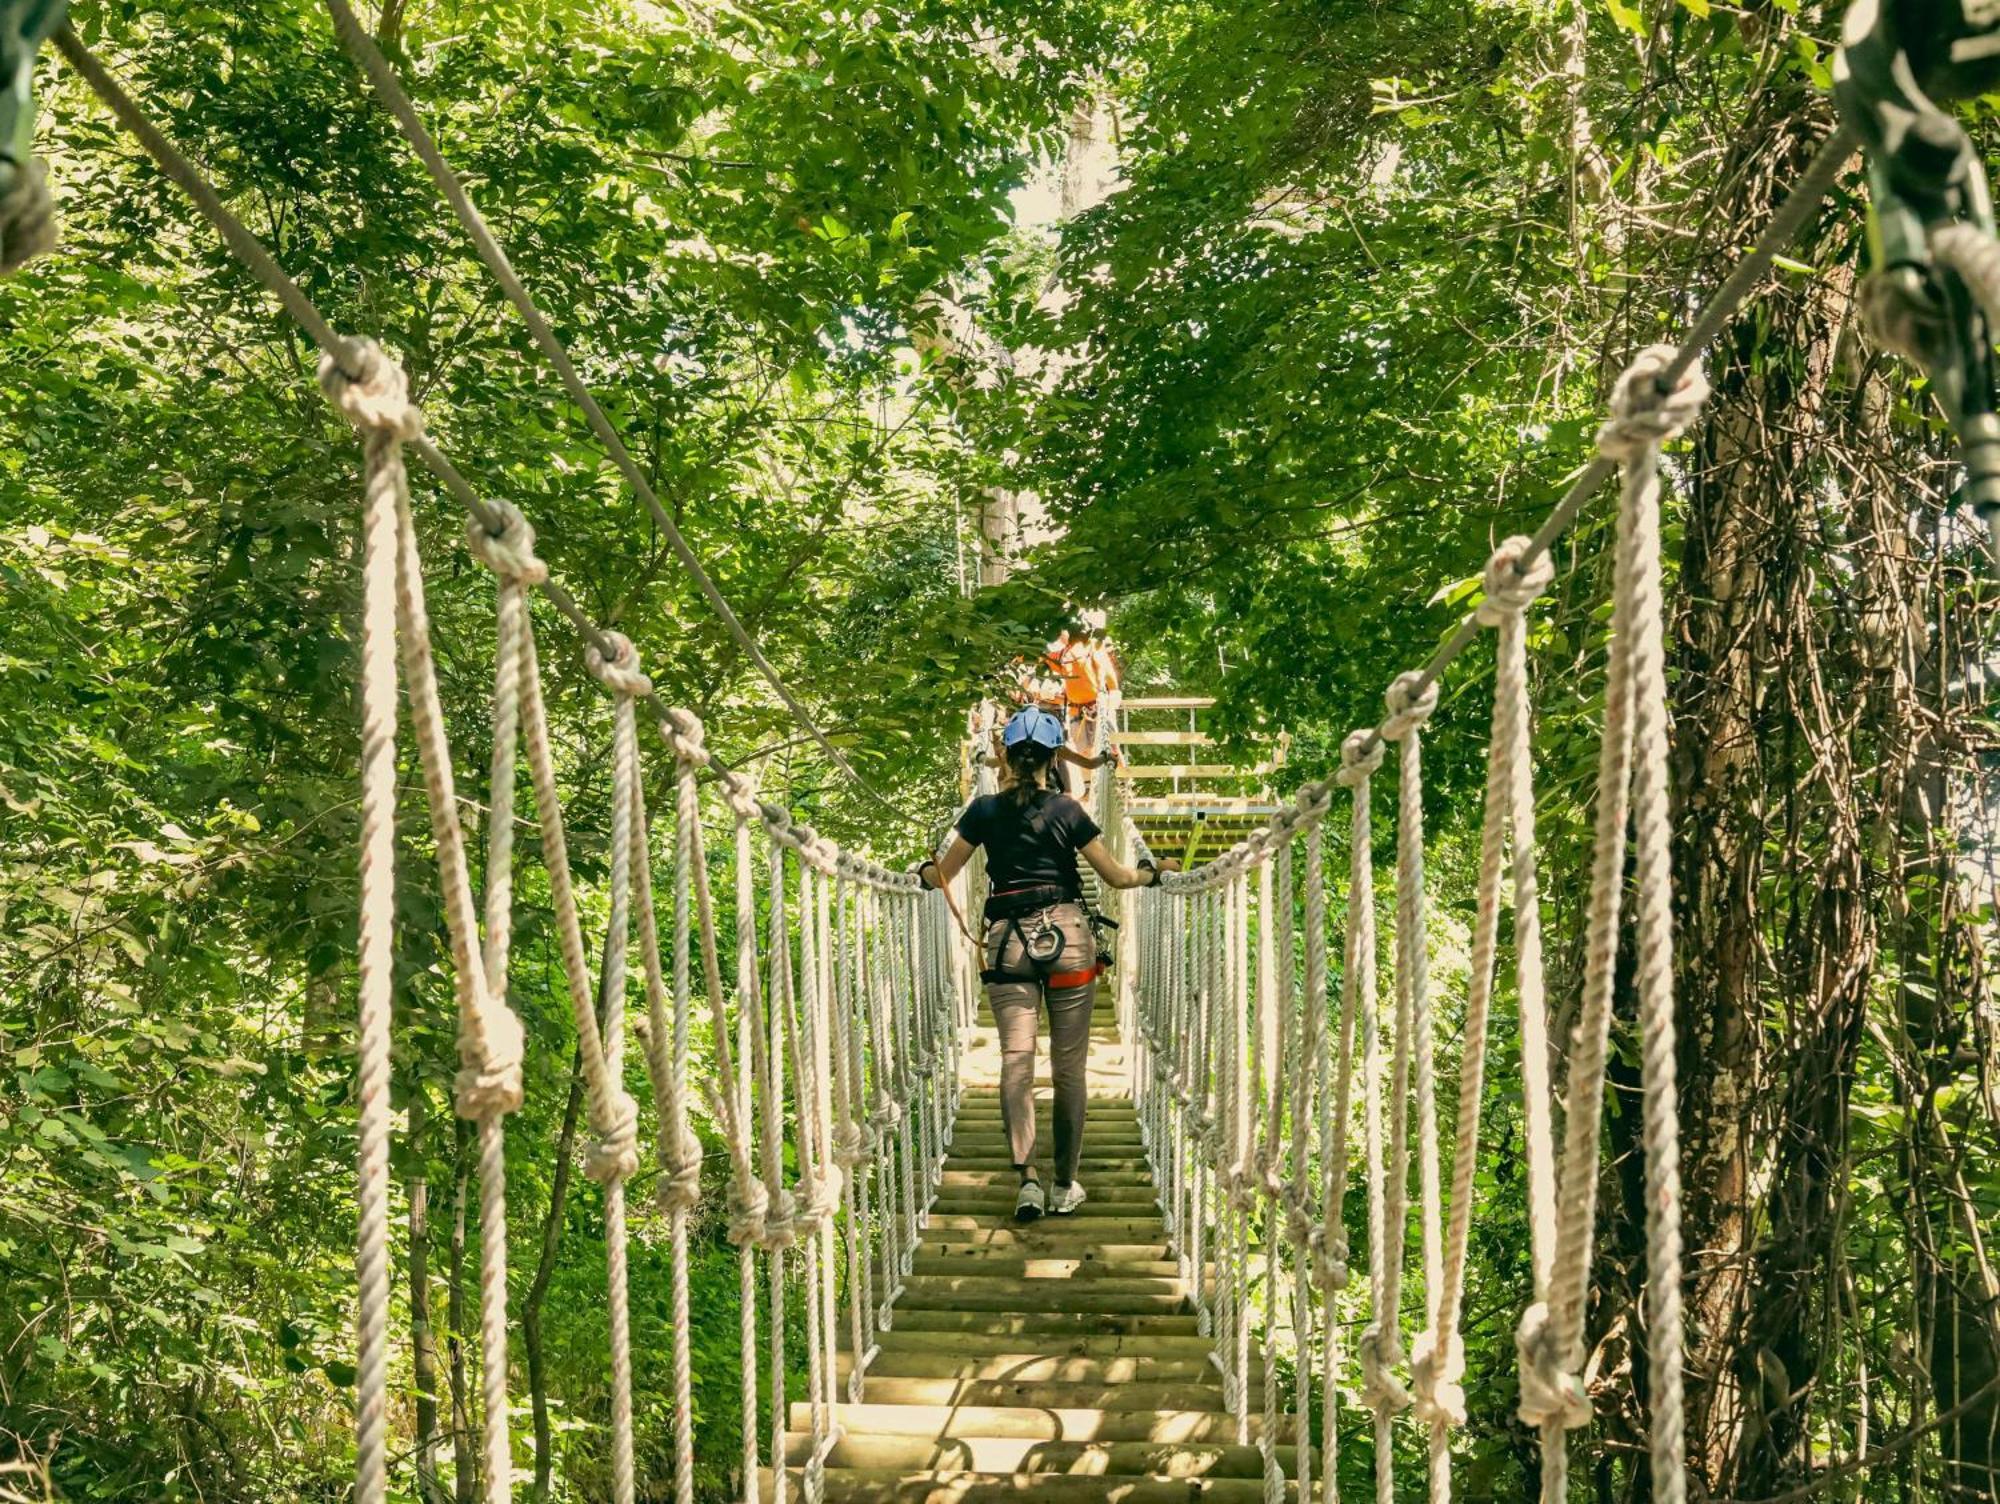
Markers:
(1015, 1008)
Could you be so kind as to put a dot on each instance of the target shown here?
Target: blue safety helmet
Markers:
(1033, 724)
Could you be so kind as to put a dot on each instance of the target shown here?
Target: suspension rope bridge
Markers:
(1181, 1336)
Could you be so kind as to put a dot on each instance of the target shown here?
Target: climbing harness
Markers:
(27, 217)
(1933, 292)
(1028, 915)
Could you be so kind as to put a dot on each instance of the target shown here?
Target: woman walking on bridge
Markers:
(1039, 948)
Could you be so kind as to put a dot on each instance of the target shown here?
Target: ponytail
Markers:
(1028, 763)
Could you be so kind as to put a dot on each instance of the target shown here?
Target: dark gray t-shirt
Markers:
(1032, 845)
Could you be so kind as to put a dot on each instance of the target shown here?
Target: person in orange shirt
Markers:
(1078, 671)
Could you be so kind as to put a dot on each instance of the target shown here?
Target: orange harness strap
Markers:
(1075, 978)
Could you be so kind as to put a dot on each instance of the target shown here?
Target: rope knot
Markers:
(1409, 705)
(749, 1204)
(618, 673)
(818, 1209)
(1437, 1379)
(1299, 1224)
(1202, 1129)
(1642, 415)
(1511, 589)
(1328, 1249)
(781, 1228)
(1270, 1178)
(679, 1187)
(1314, 800)
(370, 390)
(1381, 1352)
(615, 1155)
(1551, 1392)
(489, 1073)
(1360, 757)
(887, 1116)
(509, 550)
(740, 794)
(850, 1145)
(686, 737)
(1239, 1187)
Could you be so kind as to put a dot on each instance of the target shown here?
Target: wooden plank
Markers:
(1166, 702)
(1163, 739)
(1193, 770)
(1197, 805)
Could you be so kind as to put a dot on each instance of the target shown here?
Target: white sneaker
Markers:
(1028, 1205)
(1066, 1199)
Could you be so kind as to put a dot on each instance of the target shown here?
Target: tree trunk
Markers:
(423, 1344)
(1776, 930)
(545, 1266)
(465, 1468)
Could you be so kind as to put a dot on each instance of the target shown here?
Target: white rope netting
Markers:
(851, 979)
(1248, 1123)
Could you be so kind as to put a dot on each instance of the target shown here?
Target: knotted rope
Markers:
(489, 1081)
(1438, 1365)
(370, 390)
(1307, 1054)
(614, 1156)
(384, 479)
(680, 1151)
(1631, 779)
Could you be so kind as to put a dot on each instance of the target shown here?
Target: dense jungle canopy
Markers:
(1271, 319)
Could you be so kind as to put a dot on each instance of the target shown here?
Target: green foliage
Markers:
(1345, 320)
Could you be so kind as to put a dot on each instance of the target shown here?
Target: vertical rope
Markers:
(1361, 756)
(488, 1085)
(1242, 1180)
(779, 1220)
(1409, 708)
(1307, 1238)
(836, 1131)
(612, 1163)
(680, 1179)
(509, 551)
(902, 1014)
(1205, 1108)
(751, 1197)
(852, 1114)
(860, 1240)
(1270, 1058)
(814, 1151)
(1438, 1365)
(372, 394)
(1551, 1336)
(384, 423)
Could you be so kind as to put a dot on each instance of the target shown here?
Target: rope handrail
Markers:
(494, 517)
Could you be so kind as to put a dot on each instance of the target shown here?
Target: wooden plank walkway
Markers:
(1057, 1361)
